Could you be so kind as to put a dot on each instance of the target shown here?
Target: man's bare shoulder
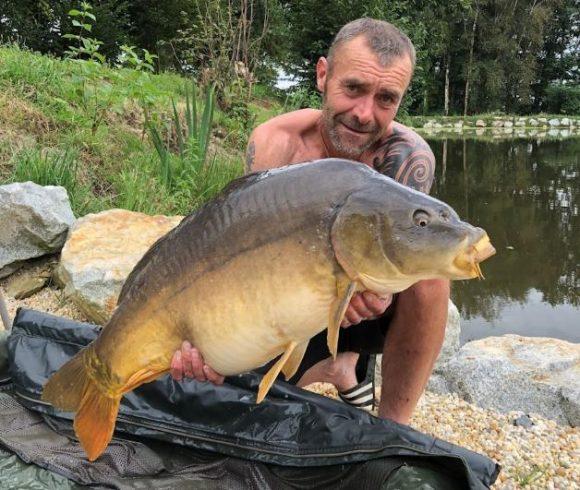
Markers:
(406, 157)
(275, 142)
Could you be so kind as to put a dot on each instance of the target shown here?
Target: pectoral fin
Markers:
(289, 369)
(345, 289)
(272, 374)
(143, 376)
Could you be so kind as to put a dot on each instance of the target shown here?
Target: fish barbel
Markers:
(257, 272)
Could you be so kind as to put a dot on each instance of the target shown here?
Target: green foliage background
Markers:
(86, 107)
(522, 51)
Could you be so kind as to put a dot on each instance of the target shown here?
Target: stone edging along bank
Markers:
(501, 126)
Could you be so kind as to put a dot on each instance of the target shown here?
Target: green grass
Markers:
(58, 167)
(82, 125)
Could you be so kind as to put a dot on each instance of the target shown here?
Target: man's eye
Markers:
(352, 89)
(386, 99)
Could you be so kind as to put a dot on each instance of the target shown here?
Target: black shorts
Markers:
(368, 337)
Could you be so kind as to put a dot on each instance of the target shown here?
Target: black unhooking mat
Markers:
(196, 435)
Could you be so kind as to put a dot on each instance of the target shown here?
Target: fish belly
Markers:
(247, 312)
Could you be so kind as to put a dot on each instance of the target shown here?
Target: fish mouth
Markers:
(469, 260)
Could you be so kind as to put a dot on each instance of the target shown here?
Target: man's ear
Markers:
(321, 73)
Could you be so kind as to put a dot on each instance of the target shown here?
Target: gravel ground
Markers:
(543, 456)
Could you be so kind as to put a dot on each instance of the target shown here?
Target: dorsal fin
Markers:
(233, 186)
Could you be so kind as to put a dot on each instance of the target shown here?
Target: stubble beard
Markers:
(347, 148)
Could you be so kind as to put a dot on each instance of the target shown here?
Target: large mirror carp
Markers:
(257, 272)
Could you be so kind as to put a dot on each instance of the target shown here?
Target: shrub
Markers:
(563, 99)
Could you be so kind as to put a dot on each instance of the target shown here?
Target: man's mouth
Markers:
(355, 131)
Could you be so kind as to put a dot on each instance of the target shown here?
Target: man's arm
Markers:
(268, 147)
(417, 331)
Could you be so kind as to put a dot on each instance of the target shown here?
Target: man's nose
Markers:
(364, 110)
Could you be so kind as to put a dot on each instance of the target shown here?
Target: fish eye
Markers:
(421, 218)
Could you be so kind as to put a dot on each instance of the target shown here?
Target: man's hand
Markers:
(365, 306)
(188, 363)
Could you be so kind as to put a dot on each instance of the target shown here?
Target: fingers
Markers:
(188, 362)
(176, 369)
(375, 304)
(193, 363)
(352, 316)
(365, 306)
(211, 375)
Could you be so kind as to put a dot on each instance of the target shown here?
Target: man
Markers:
(363, 80)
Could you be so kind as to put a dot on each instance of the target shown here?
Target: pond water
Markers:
(526, 194)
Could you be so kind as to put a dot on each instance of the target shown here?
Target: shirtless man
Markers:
(363, 80)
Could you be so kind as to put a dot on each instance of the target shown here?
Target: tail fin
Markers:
(65, 388)
(95, 420)
(73, 390)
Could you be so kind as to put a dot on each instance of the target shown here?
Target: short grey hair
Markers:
(384, 39)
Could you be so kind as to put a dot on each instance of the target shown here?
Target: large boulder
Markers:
(100, 252)
(34, 221)
(534, 375)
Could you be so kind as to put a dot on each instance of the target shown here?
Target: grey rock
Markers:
(565, 121)
(438, 384)
(480, 123)
(34, 221)
(25, 286)
(3, 352)
(554, 122)
(534, 375)
(523, 421)
(533, 122)
(452, 334)
(11, 268)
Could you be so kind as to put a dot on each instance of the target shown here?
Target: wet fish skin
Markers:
(256, 273)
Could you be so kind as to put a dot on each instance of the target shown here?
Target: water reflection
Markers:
(525, 193)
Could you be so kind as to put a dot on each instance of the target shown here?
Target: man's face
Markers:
(360, 96)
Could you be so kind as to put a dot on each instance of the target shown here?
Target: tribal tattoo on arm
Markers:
(250, 157)
(408, 159)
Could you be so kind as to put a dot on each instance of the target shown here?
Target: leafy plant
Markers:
(302, 97)
(129, 57)
(191, 139)
(95, 91)
(87, 47)
(185, 169)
